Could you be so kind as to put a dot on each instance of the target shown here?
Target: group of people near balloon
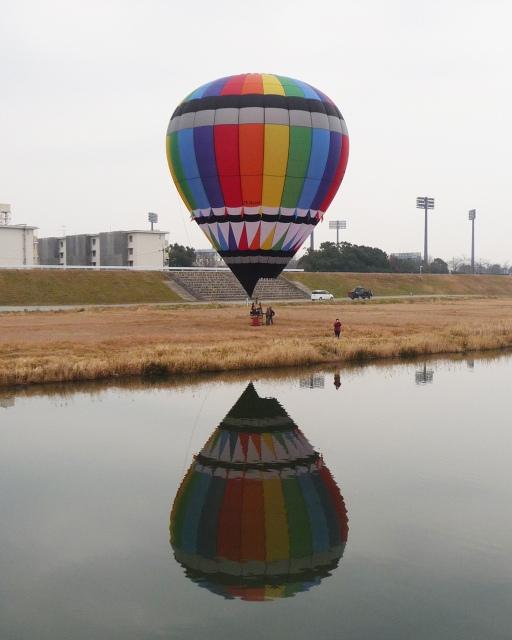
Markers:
(257, 311)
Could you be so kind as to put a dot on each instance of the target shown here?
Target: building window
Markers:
(61, 244)
(94, 254)
(61, 255)
(130, 252)
(93, 242)
(93, 264)
(130, 263)
(130, 238)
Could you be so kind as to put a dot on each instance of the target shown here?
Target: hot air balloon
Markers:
(258, 516)
(257, 160)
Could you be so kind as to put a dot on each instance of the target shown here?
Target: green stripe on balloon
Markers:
(178, 170)
(290, 87)
(298, 161)
(301, 544)
(181, 511)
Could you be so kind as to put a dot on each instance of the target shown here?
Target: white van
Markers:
(321, 294)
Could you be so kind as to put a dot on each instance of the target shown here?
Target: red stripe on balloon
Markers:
(229, 534)
(253, 521)
(337, 499)
(243, 246)
(233, 86)
(244, 437)
(228, 164)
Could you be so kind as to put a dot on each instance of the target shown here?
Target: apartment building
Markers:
(134, 248)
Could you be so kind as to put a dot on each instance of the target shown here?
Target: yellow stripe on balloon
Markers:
(173, 173)
(275, 162)
(266, 245)
(272, 85)
(277, 538)
(274, 592)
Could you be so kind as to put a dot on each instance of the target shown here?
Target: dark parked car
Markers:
(360, 292)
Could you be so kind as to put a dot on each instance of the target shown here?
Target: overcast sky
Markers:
(87, 89)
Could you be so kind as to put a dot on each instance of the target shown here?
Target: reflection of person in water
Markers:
(337, 381)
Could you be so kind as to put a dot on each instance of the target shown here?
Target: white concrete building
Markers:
(134, 248)
(146, 248)
(16, 245)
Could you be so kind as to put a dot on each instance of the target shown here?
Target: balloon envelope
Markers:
(257, 159)
(258, 515)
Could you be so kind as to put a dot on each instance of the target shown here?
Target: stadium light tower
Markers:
(472, 216)
(337, 224)
(426, 204)
(152, 217)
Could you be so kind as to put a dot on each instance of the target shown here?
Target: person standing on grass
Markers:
(337, 328)
(272, 314)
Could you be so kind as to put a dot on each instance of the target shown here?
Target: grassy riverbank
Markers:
(96, 344)
(393, 284)
(33, 287)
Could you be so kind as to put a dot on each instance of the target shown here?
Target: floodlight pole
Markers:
(338, 224)
(425, 248)
(472, 216)
(426, 204)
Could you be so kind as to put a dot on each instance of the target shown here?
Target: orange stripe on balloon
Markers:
(251, 145)
(253, 521)
(255, 244)
(253, 84)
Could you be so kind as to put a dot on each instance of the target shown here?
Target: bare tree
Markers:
(455, 263)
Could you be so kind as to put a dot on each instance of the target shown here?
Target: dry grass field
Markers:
(93, 344)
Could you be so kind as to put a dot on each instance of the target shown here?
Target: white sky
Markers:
(87, 89)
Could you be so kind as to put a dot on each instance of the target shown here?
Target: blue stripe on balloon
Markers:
(290, 243)
(190, 169)
(193, 515)
(205, 155)
(317, 522)
(333, 160)
(232, 243)
(207, 532)
(198, 93)
(222, 239)
(224, 436)
(216, 87)
(329, 510)
(320, 144)
(309, 92)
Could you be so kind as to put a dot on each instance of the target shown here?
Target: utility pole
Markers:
(426, 204)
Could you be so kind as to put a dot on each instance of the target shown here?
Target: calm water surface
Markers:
(370, 503)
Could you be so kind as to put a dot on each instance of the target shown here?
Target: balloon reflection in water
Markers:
(258, 515)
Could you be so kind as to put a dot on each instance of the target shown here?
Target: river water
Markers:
(354, 503)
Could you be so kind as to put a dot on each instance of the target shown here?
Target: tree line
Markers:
(349, 257)
(363, 259)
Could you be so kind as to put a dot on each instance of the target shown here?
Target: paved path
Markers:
(71, 307)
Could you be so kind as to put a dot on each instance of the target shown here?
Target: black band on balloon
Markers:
(256, 100)
(265, 217)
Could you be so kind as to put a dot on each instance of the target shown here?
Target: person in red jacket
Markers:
(337, 328)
